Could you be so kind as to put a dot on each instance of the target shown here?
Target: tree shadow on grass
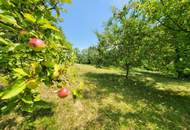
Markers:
(25, 120)
(164, 78)
(165, 108)
(8, 124)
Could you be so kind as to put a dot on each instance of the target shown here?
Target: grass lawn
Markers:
(147, 101)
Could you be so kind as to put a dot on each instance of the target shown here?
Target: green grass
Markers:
(145, 101)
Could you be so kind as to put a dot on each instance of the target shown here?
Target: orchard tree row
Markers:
(152, 34)
(87, 56)
(33, 52)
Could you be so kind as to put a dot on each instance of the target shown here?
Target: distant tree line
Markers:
(87, 56)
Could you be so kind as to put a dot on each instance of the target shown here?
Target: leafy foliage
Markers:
(28, 67)
(87, 56)
(121, 39)
(152, 34)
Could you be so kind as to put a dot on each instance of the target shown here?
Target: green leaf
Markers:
(6, 27)
(2, 40)
(1, 94)
(19, 73)
(33, 33)
(14, 90)
(58, 12)
(56, 70)
(3, 80)
(41, 105)
(20, 19)
(31, 84)
(76, 93)
(8, 106)
(43, 21)
(9, 19)
(67, 1)
(49, 64)
(29, 17)
(2, 33)
(36, 1)
(36, 97)
(5, 41)
(27, 99)
(49, 26)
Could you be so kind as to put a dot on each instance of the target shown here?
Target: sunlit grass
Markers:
(146, 100)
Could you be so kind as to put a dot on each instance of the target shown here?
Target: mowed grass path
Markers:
(145, 101)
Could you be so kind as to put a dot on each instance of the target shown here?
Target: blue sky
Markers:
(84, 17)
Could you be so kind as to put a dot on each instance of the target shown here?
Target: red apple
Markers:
(36, 43)
(64, 92)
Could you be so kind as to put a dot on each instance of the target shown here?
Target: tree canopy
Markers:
(150, 34)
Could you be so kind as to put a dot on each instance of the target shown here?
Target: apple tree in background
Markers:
(87, 56)
(171, 18)
(151, 34)
(120, 43)
(33, 51)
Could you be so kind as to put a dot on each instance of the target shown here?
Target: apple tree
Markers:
(33, 51)
(171, 18)
(121, 42)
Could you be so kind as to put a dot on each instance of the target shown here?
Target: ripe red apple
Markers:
(36, 43)
(64, 92)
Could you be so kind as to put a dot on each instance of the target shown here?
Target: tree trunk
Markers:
(127, 70)
(178, 68)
